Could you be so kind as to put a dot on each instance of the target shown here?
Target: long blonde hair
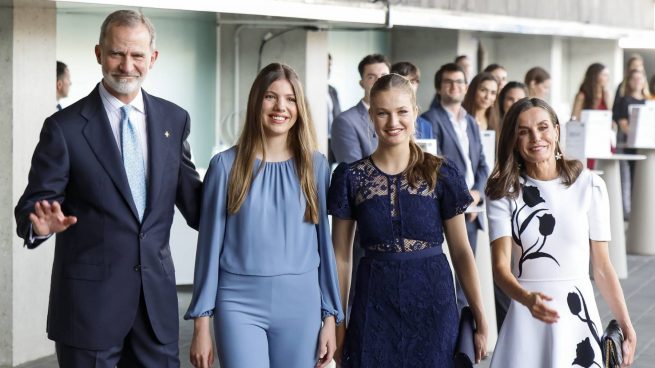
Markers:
(422, 165)
(301, 140)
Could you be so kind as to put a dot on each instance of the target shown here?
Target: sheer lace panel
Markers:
(393, 216)
(394, 197)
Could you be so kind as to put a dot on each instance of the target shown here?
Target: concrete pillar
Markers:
(27, 96)
(467, 44)
(306, 51)
(428, 49)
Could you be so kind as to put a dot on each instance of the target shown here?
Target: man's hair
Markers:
(447, 68)
(127, 18)
(372, 59)
(61, 69)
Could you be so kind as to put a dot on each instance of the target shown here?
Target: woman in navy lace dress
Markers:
(404, 313)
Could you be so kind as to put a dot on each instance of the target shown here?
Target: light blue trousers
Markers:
(267, 321)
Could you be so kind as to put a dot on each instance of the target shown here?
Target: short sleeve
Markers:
(499, 215)
(454, 196)
(339, 202)
(599, 211)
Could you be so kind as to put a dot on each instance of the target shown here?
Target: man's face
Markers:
(372, 72)
(64, 84)
(126, 58)
(453, 87)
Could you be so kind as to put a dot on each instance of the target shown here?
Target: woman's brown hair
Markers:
(422, 165)
(504, 179)
(469, 99)
(590, 85)
(301, 140)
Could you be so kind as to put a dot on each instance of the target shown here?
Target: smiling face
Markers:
(485, 96)
(537, 136)
(453, 87)
(279, 111)
(371, 74)
(393, 113)
(126, 59)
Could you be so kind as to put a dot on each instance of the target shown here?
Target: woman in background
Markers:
(537, 80)
(635, 92)
(593, 93)
(480, 99)
(265, 267)
(512, 92)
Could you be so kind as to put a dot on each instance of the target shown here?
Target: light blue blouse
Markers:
(268, 236)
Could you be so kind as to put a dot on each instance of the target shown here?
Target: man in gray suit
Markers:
(353, 136)
(458, 139)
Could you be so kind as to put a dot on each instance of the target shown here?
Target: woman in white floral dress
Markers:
(547, 218)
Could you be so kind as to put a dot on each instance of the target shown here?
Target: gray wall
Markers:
(27, 96)
(184, 73)
(428, 49)
(347, 49)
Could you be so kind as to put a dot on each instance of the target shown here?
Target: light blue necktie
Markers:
(133, 161)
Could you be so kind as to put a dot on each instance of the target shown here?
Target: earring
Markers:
(558, 153)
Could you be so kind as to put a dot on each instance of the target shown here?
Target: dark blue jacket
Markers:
(103, 263)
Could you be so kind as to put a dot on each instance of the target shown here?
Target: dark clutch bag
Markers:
(465, 348)
(611, 345)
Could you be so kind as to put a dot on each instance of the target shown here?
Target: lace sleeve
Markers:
(453, 193)
(339, 202)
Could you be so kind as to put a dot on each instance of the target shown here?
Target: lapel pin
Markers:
(167, 134)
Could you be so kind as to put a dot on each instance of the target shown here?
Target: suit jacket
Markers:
(336, 106)
(353, 135)
(108, 259)
(449, 147)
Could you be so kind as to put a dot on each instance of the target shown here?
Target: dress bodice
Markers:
(551, 225)
(392, 215)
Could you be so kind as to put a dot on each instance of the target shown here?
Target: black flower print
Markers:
(584, 352)
(532, 198)
(546, 224)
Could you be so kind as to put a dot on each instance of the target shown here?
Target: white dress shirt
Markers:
(137, 117)
(460, 125)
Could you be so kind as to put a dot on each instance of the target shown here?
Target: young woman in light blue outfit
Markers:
(265, 267)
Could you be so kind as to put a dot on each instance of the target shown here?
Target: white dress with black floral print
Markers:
(550, 226)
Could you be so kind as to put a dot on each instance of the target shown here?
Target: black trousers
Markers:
(140, 348)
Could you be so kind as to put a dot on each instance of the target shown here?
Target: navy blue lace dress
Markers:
(404, 313)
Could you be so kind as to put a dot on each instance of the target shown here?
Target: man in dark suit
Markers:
(353, 136)
(105, 176)
(458, 139)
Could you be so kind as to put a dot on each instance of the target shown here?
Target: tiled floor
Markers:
(639, 290)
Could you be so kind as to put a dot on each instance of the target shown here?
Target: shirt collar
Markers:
(367, 106)
(461, 116)
(108, 98)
